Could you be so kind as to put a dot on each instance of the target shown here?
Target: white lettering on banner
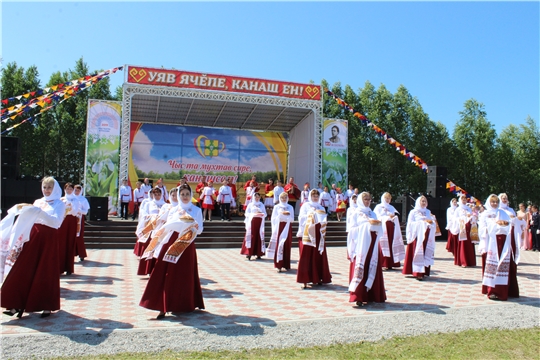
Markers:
(242, 169)
(161, 77)
(214, 178)
(293, 90)
(203, 80)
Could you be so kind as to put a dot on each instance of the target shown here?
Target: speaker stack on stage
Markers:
(439, 201)
(11, 157)
(99, 208)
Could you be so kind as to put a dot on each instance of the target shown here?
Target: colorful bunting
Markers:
(61, 92)
(453, 188)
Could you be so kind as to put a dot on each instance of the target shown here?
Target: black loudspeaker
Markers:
(99, 208)
(436, 181)
(11, 157)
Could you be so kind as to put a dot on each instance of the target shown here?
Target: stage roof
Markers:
(185, 111)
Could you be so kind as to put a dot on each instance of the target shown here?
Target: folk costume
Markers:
(253, 244)
(269, 195)
(125, 195)
(420, 234)
(224, 198)
(250, 192)
(277, 191)
(313, 264)
(333, 204)
(146, 189)
(148, 258)
(463, 220)
(80, 247)
(207, 196)
(29, 255)
(499, 270)
(279, 247)
(67, 234)
(138, 197)
(391, 241)
(451, 243)
(147, 222)
(365, 273)
(174, 285)
(325, 200)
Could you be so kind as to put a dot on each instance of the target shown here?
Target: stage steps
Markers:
(120, 234)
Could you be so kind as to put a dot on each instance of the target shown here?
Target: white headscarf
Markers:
(387, 205)
(311, 202)
(464, 206)
(488, 207)
(180, 202)
(501, 204)
(360, 202)
(159, 202)
(56, 193)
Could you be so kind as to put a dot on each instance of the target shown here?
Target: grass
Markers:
(470, 344)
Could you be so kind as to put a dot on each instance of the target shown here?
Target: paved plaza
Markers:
(103, 295)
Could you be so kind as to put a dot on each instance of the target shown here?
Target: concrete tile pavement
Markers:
(104, 293)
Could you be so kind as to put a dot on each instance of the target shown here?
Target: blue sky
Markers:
(444, 53)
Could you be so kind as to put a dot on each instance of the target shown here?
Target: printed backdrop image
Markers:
(103, 151)
(334, 160)
(170, 152)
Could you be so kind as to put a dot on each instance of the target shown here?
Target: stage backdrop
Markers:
(334, 160)
(103, 150)
(170, 152)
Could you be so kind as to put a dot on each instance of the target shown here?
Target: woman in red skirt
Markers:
(391, 242)
(365, 273)
(280, 244)
(253, 244)
(499, 271)
(67, 234)
(147, 220)
(29, 257)
(463, 216)
(420, 234)
(174, 285)
(313, 264)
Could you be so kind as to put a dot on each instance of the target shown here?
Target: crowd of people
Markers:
(41, 240)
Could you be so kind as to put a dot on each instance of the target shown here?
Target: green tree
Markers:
(475, 137)
(18, 81)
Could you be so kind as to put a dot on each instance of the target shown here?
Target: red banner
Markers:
(191, 80)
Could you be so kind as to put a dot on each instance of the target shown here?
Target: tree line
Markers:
(477, 158)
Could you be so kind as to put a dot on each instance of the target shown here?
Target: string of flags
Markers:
(396, 144)
(49, 96)
(453, 188)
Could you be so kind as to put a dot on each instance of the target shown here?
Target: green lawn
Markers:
(471, 344)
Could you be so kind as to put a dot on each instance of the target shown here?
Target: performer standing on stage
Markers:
(341, 205)
(208, 200)
(280, 244)
(80, 248)
(224, 200)
(125, 198)
(234, 201)
(304, 195)
(146, 188)
(365, 273)
(391, 241)
(199, 189)
(174, 285)
(29, 254)
(253, 244)
(313, 264)
(420, 234)
(277, 191)
(250, 191)
(164, 192)
(293, 192)
(325, 200)
(138, 197)
(269, 196)
(68, 231)
(499, 271)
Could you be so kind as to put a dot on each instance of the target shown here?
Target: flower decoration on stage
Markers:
(207, 147)
(48, 97)
(453, 188)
